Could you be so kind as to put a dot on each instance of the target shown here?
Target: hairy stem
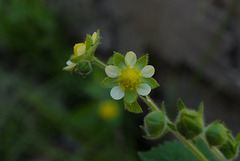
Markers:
(154, 107)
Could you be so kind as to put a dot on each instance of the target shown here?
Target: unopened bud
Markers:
(216, 134)
(84, 68)
(155, 124)
(231, 147)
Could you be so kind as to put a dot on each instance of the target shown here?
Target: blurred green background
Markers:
(47, 114)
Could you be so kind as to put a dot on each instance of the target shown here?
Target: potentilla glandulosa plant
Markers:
(130, 78)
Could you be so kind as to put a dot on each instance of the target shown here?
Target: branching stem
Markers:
(154, 107)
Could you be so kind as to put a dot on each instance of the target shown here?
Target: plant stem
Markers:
(150, 103)
(154, 107)
(99, 63)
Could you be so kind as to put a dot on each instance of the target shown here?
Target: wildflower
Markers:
(129, 77)
(108, 110)
(83, 52)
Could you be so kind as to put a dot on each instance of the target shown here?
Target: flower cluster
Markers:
(129, 77)
(80, 61)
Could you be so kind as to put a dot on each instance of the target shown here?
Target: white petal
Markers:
(69, 67)
(81, 49)
(112, 71)
(148, 71)
(69, 62)
(94, 37)
(144, 89)
(130, 58)
(117, 93)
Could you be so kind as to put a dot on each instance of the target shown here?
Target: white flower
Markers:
(129, 78)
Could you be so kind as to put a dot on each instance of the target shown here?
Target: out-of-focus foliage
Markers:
(45, 113)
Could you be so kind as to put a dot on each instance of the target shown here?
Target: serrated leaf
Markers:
(119, 60)
(110, 61)
(76, 59)
(169, 151)
(181, 105)
(88, 42)
(151, 82)
(109, 82)
(133, 107)
(130, 95)
(142, 62)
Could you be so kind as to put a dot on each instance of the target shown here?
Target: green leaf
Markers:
(181, 105)
(76, 59)
(130, 95)
(151, 82)
(169, 151)
(109, 82)
(201, 145)
(133, 107)
(110, 61)
(142, 62)
(88, 42)
(119, 60)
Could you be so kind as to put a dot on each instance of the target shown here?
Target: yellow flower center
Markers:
(130, 77)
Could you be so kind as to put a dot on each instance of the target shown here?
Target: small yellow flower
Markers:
(108, 110)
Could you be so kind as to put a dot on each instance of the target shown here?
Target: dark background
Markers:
(47, 114)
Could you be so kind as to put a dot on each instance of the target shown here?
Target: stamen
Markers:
(136, 70)
(117, 75)
(119, 83)
(134, 66)
(128, 66)
(120, 70)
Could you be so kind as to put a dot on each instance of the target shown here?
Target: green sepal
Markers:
(118, 60)
(89, 42)
(181, 105)
(110, 61)
(151, 82)
(201, 106)
(130, 95)
(142, 62)
(93, 48)
(163, 107)
(109, 82)
(76, 59)
(133, 107)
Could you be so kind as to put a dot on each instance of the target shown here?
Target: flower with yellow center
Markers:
(129, 77)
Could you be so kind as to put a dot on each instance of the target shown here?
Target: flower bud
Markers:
(216, 134)
(231, 147)
(155, 124)
(84, 68)
(189, 123)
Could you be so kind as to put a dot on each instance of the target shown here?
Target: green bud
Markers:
(216, 134)
(189, 122)
(84, 68)
(155, 124)
(231, 147)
